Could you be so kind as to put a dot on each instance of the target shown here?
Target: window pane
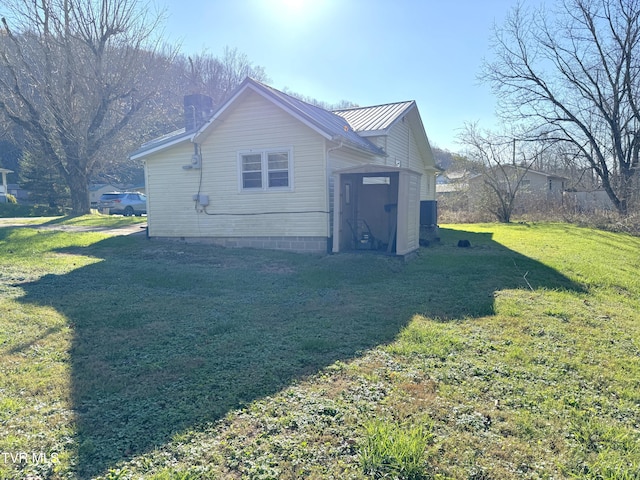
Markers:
(252, 180)
(278, 165)
(278, 161)
(376, 180)
(251, 163)
(278, 179)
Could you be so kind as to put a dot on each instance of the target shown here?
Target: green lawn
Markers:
(126, 358)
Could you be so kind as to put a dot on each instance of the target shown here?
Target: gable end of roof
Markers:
(329, 125)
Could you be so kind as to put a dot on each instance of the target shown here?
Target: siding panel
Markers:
(403, 151)
(169, 189)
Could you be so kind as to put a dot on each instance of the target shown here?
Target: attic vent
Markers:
(197, 110)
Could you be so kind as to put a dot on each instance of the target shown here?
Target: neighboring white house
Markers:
(267, 170)
(452, 181)
(4, 190)
(540, 184)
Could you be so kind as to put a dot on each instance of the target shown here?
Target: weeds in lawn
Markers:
(393, 450)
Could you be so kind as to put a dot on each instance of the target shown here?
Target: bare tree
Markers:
(341, 105)
(502, 168)
(74, 75)
(217, 77)
(574, 74)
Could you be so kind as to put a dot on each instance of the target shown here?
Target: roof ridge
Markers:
(334, 111)
(290, 96)
(371, 106)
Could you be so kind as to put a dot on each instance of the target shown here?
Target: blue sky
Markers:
(369, 52)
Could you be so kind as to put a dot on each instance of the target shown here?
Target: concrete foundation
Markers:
(316, 245)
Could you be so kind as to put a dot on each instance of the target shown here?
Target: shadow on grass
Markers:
(170, 337)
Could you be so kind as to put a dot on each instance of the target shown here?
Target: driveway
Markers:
(35, 222)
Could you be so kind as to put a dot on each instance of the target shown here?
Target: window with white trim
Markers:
(265, 170)
(251, 171)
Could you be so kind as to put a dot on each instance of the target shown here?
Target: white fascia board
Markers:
(420, 125)
(412, 106)
(291, 112)
(160, 146)
(266, 96)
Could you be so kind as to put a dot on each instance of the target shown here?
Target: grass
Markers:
(394, 451)
(127, 358)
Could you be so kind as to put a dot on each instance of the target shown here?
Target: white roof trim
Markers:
(412, 106)
(161, 146)
(217, 114)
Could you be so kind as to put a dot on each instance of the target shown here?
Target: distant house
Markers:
(97, 189)
(17, 191)
(452, 181)
(4, 189)
(538, 184)
(267, 170)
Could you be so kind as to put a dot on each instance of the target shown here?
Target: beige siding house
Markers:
(260, 171)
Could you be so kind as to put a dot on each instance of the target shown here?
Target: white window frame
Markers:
(264, 156)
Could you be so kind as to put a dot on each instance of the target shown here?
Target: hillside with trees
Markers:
(82, 84)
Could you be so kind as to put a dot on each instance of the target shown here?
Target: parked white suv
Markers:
(123, 203)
